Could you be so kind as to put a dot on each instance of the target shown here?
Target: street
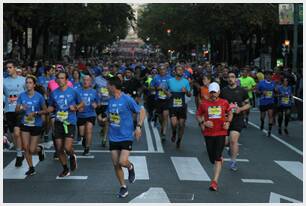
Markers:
(270, 170)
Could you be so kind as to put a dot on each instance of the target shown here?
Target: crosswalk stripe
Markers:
(85, 157)
(141, 168)
(189, 168)
(148, 135)
(72, 178)
(153, 195)
(257, 181)
(237, 160)
(12, 172)
(294, 167)
(157, 139)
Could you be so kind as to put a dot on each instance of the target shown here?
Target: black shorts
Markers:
(13, 119)
(215, 146)
(82, 121)
(264, 108)
(161, 105)
(236, 125)
(179, 113)
(124, 145)
(101, 110)
(59, 131)
(34, 131)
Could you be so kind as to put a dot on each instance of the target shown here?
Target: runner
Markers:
(162, 101)
(178, 88)
(204, 94)
(103, 97)
(65, 101)
(31, 105)
(214, 125)
(266, 89)
(13, 86)
(248, 83)
(87, 116)
(239, 100)
(285, 104)
(121, 131)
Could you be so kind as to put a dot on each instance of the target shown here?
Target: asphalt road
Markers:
(270, 170)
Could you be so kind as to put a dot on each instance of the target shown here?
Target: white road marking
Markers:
(275, 198)
(157, 139)
(189, 168)
(148, 135)
(257, 181)
(153, 195)
(92, 151)
(85, 157)
(12, 172)
(237, 160)
(72, 178)
(294, 167)
(141, 168)
(280, 140)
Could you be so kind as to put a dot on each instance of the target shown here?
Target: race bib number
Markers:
(214, 112)
(177, 102)
(62, 116)
(162, 95)
(285, 100)
(269, 94)
(104, 92)
(115, 119)
(12, 100)
(29, 121)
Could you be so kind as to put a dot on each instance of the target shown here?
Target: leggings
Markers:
(281, 112)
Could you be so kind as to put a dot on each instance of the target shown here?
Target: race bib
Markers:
(115, 119)
(104, 92)
(162, 95)
(62, 116)
(285, 100)
(12, 100)
(29, 121)
(269, 94)
(214, 112)
(177, 102)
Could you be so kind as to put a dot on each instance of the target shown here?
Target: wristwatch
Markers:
(138, 125)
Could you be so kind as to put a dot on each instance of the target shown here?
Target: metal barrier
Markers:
(297, 109)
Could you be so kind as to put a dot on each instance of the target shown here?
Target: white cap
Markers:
(213, 87)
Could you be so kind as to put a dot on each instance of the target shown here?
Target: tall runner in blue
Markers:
(178, 88)
(87, 116)
(65, 101)
(121, 132)
(32, 106)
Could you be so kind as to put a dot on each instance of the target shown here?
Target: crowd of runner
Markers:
(64, 103)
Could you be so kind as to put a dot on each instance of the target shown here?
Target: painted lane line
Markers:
(294, 167)
(72, 178)
(276, 198)
(141, 168)
(189, 168)
(237, 160)
(148, 135)
(92, 151)
(257, 181)
(12, 172)
(153, 195)
(85, 157)
(157, 139)
(280, 140)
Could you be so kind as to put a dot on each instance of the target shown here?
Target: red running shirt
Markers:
(215, 112)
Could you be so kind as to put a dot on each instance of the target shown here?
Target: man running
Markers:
(178, 88)
(214, 125)
(65, 101)
(239, 99)
(121, 131)
(13, 86)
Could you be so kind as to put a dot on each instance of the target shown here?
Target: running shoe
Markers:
(73, 162)
(41, 153)
(213, 185)
(123, 192)
(178, 143)
(64, 173)
(233, 165)
(19, 160)
(132, 174)
(86, 152)
(30, 172)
